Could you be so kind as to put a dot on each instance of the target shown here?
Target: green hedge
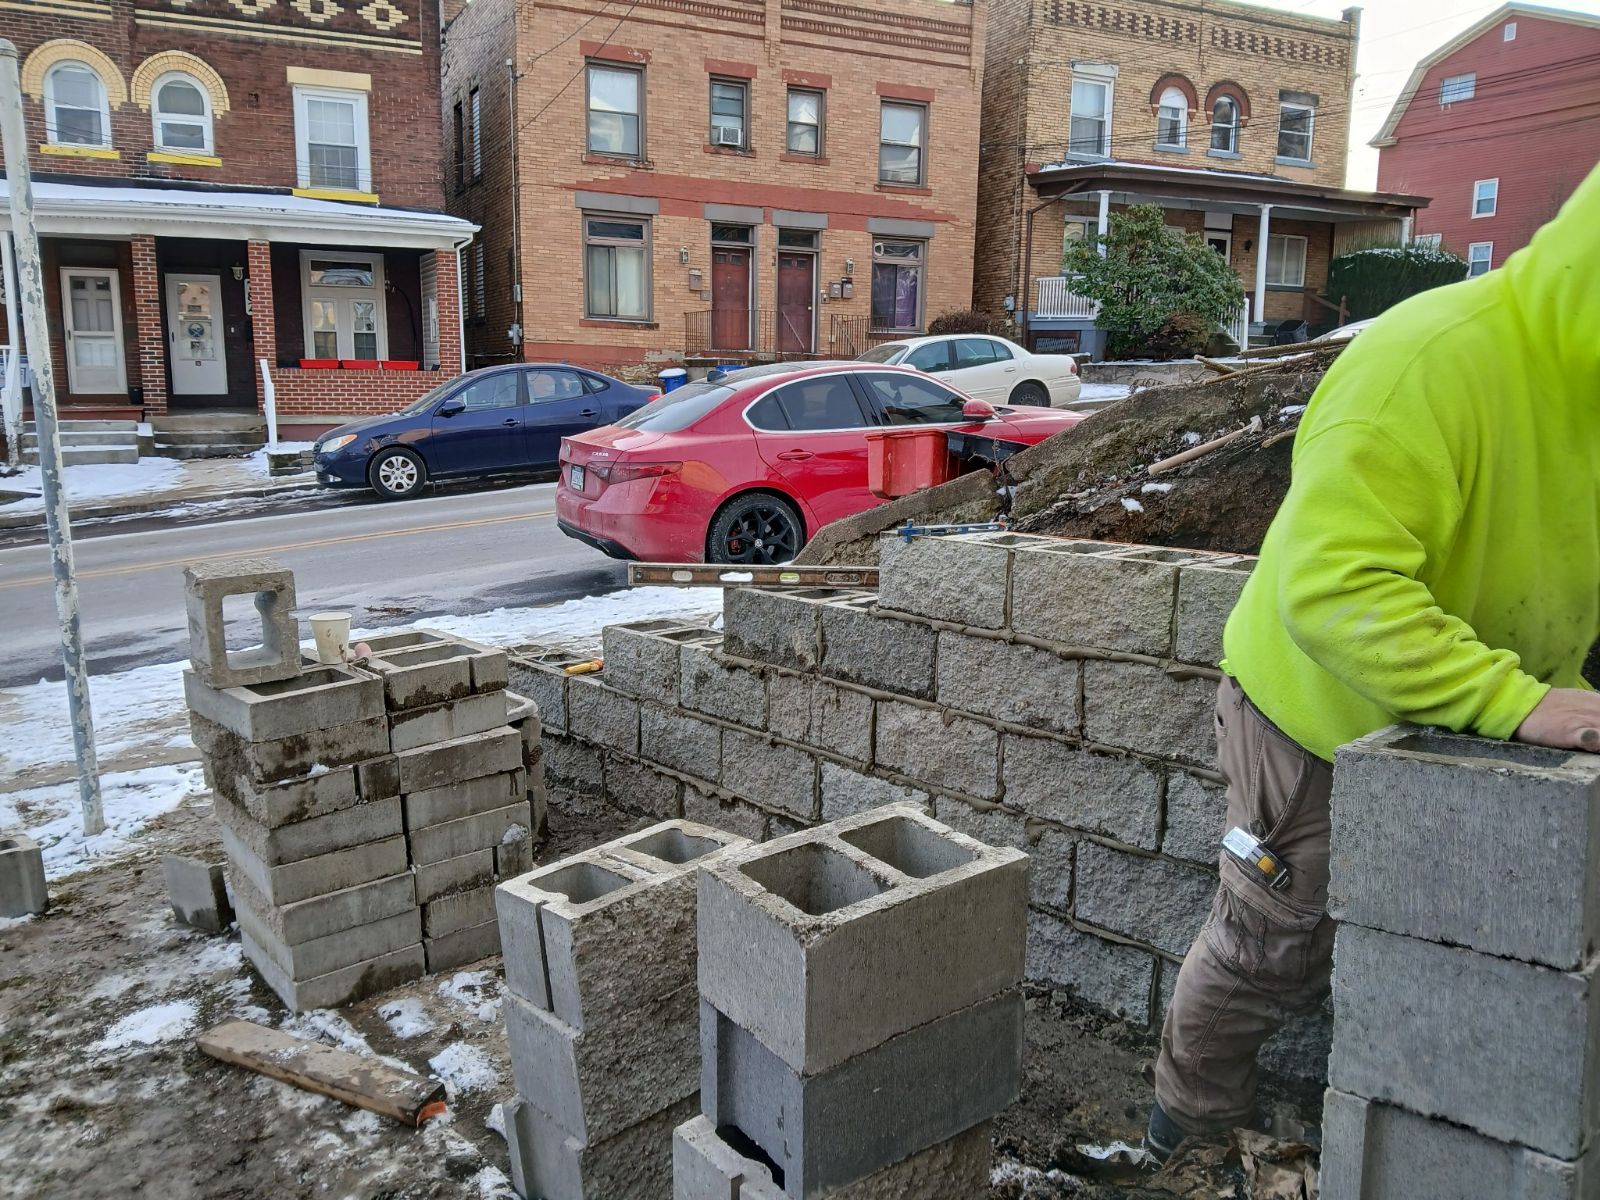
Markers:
(1379, 277)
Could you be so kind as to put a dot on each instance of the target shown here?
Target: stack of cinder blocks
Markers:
(860, 1016)
(601, 1013)
(1466, 1048)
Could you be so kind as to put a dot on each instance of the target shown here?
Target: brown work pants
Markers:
(1263, 955)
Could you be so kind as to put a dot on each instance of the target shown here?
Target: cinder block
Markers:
(806, 709)
(285, 758)
(413, 727)
(1372, 1151)
(1116, 796)
(641, 661)
(431, 806)
(1049, 849)
(459, 874)
(719, 812)
(458, 910)
(357, 825)
(333, 951)
(781, 628)
(283, 708)
(861, 647)
(938, 749)
(1009, 682)
(963, 579)
(571, 764)
(1138, 707)
(1405, 797)
(712, 685)
(1207, 593)
(785, 927)
(1080, 595)
(679, 742)
(195, 888)
(548, 1163)
(461, 946)
(378, 778)
(1197, 814)
(451, 839)
(1156, 901)
(596, 1082)
(542, 681)
(1113, 977)
(331, 913)
(844, 793)
(289, 883)
(206, 585)
(635, 787)
(870, 1111)
(22, 883)
(337, 988)
(283, 803)
(460, 758)
(770, 773)
(603, 715)
(1505, 1048)
(437, 670)
(514, 855)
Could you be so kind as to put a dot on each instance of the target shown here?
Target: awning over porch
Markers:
(85, 210)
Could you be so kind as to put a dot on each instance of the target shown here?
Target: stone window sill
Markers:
(814, 160)
(616, 323)
(1295, 162)
(735, 151)
(105, 152)
(183, 160)
(618, 160)
(1231, 154)
(905, 189)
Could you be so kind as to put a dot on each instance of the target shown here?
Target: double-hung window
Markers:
(902, 138)
(180, 111)
(616, 263)
(1286, 261)
(616, 110)
(730, 113)
(897, 284)
(344, 309)
(1457, 88)
(1090, 130)
(1427, 241)
(1480, 258)
(331, 146)
(1172, 121)
(76, 113)
(805, 122)
(1485, 197)
(1225, 125)
(1296, 125)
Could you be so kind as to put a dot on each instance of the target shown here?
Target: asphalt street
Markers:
(387, 564)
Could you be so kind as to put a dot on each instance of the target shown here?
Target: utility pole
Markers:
(11, 384)
(14, 145)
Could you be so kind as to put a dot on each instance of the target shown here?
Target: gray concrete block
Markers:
(603, 715)
(1299, 1051)
(542, 681)
(1206, 595)
(1080, 598)
(337, 988)
(785, 927)
(769, 773)
(458, 910)
(378, 778)
(514, 857)
(633, 786)
(333, 912)
(1407, 796)
(830, 1129)
(680, 742)
(636, 1164)
(960, 579)
(1505, 1048)
(410, 728)
(1372, 1151)
(22, 884)
(640, 661)
(938, 749)
(282, 759)
(1049, 849)
(451, 839)
(596, 1082)
(844, 793)
(333, 951)
(206, 585)
(459, 874)
(704, 1167)
(314, 699)
(358, 825)
(432, 806)
(1197, 816)
(288, 883)
(730, 816)
(1112, 977)
(196, 890)
(1138, 707)
(782, 628)
(710, 684)
(1009, 682)
(461, 946)
(435, 668)
(861, 647)
(460, 758)
(571, 764)
(298, 799)
(1099, 793)
(1156, 901)
(806, 709)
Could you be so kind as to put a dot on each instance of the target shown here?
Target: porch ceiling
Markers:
(88, 211)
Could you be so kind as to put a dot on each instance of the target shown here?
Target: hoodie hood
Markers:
(1554, 284)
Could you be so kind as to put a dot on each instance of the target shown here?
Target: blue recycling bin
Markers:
(673, 378)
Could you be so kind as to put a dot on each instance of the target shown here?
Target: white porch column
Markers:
(1261, 265)
(1405, 231)
(1105, 217)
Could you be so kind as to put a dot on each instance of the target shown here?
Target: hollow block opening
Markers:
(673, 846)
(908, 847)
(582, 882)
(815, 879)
(1512, 753)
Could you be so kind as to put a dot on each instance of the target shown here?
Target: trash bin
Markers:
(902, 461)
(673, 378)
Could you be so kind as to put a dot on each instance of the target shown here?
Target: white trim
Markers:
(204, 120)
(1509, 32)
(115, 277)
(1466, 84)
(1286, 238)
(345, 335)
(1488, 258)
(1311, 132)
(50, 131)
(302, 154)
(1174, 99)
(219, 340)
(1494, 197)
(1107, 85)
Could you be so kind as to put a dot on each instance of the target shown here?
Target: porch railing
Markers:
(1057, 299)
(1239, 328)
(850, 337)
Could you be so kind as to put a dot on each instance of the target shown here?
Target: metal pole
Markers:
(14, 144)
(269, 406)
(11, 385)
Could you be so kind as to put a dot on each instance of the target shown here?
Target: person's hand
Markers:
(1567, 718)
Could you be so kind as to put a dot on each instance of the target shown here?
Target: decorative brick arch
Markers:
(1230, 89)
(157, 65)
(68, 50)
(1173, 80)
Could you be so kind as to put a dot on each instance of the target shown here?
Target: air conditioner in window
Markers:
(727, 135)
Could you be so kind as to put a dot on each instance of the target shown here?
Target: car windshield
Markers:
(427, 400)
(886, 353)
(677, 409)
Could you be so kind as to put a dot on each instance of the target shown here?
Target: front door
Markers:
(730, 298)
(91, 301)
(194, 333)
(796, 296)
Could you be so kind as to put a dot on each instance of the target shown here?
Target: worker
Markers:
(1437, 561)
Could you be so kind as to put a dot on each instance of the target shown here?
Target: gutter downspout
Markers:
(512, 76)
(461, 304)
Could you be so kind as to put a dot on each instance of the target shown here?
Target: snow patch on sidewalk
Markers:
(96, 481)
(406, 1017)
(132, 709)
(152, 1026)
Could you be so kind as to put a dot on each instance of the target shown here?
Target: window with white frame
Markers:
(1172, 120)
(1296, 124)
(616, 267)
(1485, 197)
(1090, 130)
(897, 284)
(344, 310)
(1428, 241)
(902, 138)
(476, 105)
(76, 112)
(1286, 261)
(1225, 125)
(180, 111)
(331, 145)
(1480, 258)
(805, 121)
(730, 113)
(616, 110)
(1509, 33)
(1457, 88)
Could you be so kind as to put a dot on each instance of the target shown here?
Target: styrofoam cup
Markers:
(332, 632)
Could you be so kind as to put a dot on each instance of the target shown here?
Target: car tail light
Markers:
(1072, 365)
(656, 396)
(622, 472)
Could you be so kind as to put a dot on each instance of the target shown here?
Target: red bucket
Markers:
(902, 461)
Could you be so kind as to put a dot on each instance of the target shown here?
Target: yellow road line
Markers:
(136, 568)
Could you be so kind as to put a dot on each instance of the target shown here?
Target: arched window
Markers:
(1172, 120)
(75, 107)
(1225, 125)
(180, 111)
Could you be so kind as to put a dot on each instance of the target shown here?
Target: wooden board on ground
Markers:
(353, 1078)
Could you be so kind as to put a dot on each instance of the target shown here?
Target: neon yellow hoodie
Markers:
(1437, 558)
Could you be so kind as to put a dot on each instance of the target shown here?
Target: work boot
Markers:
(1161, 1135)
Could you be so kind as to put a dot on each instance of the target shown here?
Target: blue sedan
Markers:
(494, 421)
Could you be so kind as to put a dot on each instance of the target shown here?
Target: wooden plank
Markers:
(740, 575)
(353, 1078)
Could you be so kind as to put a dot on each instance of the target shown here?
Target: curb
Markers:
(35, 520)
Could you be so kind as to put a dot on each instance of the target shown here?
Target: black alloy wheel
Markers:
(759, 529)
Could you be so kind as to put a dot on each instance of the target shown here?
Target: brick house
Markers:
(737, 177)
(219, 182)
(1498, 125)
(1231, 117)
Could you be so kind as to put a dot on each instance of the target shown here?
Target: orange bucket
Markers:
(902, 461)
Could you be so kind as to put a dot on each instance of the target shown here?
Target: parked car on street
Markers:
(746, 468)
(493, 421)
(988, 368)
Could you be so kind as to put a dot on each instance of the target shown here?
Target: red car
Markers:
(745, 469)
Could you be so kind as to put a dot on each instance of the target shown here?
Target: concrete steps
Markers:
(207, 435)
(87, 442)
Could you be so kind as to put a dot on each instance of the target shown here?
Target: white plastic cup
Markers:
(332, 632)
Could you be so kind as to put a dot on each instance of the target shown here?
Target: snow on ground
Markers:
(1103, 393)
(578, 620)
(465, 1068)
(476, 991)
(406, 1017)
(151, 1026)
(96, 481)
(256, 462)
(132, 709)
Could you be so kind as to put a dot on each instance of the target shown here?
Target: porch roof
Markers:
(91, 211)
(1232, 191)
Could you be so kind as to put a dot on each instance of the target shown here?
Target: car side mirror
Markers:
(979, 410)
(451, 407)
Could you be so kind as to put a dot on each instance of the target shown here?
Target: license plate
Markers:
(575, 477)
